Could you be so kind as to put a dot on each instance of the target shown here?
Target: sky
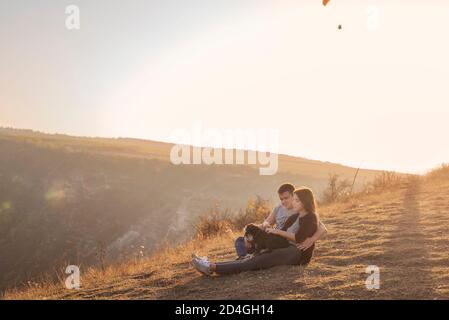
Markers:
(373, 93)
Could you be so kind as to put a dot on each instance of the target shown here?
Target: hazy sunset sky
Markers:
(374, 93)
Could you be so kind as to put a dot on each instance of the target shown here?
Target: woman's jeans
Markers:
(285, 256)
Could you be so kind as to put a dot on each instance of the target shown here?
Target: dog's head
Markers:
(251, 231)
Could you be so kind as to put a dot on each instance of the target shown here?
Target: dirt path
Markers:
(406, 269)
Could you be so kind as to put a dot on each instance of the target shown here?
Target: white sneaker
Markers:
(194, 256)
(202, 266)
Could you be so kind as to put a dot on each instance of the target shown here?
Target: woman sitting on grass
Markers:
(298, 227)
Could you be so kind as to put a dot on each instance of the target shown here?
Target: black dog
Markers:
(262, 240)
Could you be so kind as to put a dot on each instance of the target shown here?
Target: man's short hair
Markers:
(286, 187)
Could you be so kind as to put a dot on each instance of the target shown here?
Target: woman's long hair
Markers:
(307, 199)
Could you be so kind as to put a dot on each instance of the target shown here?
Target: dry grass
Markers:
(404, 231)
(341, 190)
(440, 173)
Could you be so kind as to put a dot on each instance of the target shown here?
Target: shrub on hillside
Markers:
(217, 221)
(214, 222)
(386, 180)
(255, 212)
(342, 190)
(336, 189)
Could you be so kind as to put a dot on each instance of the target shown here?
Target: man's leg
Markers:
(240, 247)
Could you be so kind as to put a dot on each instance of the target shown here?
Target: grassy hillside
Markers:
(95, 201)
(404, 231)
(147, 149)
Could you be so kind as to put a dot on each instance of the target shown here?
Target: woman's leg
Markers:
(285, 256)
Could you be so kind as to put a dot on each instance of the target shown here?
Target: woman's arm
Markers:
(321, 231)
(285, 234)
(306, 244)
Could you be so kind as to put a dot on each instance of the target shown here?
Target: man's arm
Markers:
(269, 221)
(320, 232)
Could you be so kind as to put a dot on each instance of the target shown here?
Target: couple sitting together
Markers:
(294, 220)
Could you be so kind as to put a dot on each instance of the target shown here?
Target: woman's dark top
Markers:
(308, 225)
